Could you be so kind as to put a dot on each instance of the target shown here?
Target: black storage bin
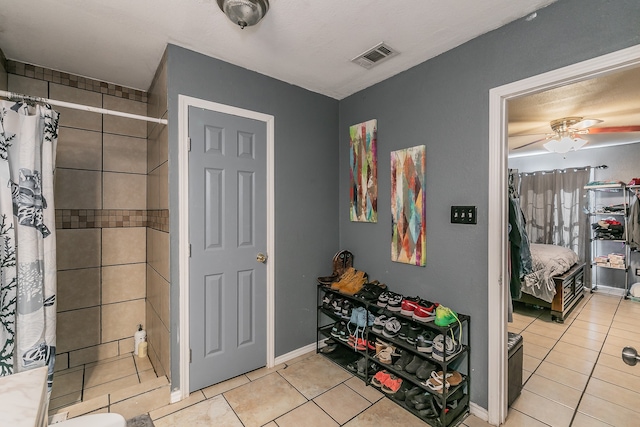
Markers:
(514, 351)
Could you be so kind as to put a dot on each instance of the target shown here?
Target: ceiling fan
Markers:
(567, 133)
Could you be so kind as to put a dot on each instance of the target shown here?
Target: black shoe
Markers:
(404, 360)
(424, 371)
(413, 366)
(330, 346)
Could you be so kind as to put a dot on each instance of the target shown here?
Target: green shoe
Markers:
(445, 316)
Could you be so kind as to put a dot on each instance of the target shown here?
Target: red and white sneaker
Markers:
(425, 311)
(409, 304)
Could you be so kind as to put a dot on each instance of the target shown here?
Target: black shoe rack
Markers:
(452, 405)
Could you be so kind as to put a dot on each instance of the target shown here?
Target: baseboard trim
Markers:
(478, 411)
(175, 396)
(295, 353)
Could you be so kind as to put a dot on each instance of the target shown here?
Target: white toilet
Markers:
(94, 420)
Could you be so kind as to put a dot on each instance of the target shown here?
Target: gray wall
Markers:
(306, 180)
(623, 163)
(444, 104)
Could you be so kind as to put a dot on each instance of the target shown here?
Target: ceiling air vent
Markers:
(374, 56)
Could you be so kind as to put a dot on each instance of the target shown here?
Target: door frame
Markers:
(184, 102)
(497, 208)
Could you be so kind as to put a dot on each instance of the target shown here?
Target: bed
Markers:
(556, 281)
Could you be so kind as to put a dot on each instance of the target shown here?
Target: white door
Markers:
(227, 235)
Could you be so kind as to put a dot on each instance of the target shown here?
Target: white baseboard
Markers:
(176, 396)
(478, 411)
(295, 353)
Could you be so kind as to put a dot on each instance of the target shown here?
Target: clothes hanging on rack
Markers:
(520, 253)
(633, 224)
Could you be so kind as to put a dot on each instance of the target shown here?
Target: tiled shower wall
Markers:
(101, 213)
(157, 308)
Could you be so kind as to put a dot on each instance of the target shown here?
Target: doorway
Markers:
(497, 207)
(251, 286)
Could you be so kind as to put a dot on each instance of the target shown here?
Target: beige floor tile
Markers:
(220, 388)
(624, 326)
(534, 350)
(543, 409)
(614, 393)
(614, 345)
(212, 412)
(271, 424)
(259, 373)
(195, 397)
(530, 363)
(386, 413)
(576, 351)
(518, 419)
(526, 375)
(582, 420)
(315, 376)
(603, 329)
(587, 333)
(607, 412)
(308, 415)
(147, 375)
(66, 400)
(562, 375)
(614, 376)
(552, 390)
(542, 341)
(616, 362)
(625, 317)
(546, 330)
(135, 390)
(582, 342)
(520, 323)
(342, 403)
(106, 372)
(513, 329)
(111, 386)
(263, 400)
(368, 392)
(300, 358)
(142, 363)
(566, 361)
(622, 333)
(473, 421)
(86, 406)
(142, 403)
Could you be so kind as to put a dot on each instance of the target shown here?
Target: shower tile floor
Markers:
(86, 382)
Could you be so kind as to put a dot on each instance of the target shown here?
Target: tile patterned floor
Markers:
(573, 375)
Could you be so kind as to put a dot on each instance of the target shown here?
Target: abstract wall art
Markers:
(363, 164)
(408, 206)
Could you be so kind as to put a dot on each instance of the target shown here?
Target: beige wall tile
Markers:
(78, 248)
(123, 245)
(78, 289)
(78, 189)
(158, 251)
(125, 191)
(165, 349)
(158, 295)
(93, 354)
(101, 373)
(157, 147)
(119, 320)
(88, 406)
(110, 387)
(142, 403)
(153, 197)
(125, 154)
(163, 186)
(79, 149)
(67, 382)
(78, 329)
(123, 282)
(28, 86)
(76, 118)
(126, 345)
(62, 361)
(121, 125)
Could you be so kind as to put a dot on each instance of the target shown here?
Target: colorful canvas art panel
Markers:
(363, 162)
(408, 206)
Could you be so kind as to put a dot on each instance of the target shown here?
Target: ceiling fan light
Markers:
(564, 144)
(244, 12)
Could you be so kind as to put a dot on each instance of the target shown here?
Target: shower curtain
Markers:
(28, 138)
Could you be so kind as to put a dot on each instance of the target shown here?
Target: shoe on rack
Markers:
(412, 335)
(445, 316)
(403, 361)
(391, 328)
(345, 310)
(394, 303)
(404, 330)
(335, 330)
(425, 370)
(413, 366)
(408, 305)
(379, 378)
(445, 347)
(378, 323)
(392, 385)
(425, 311)
(383, 298)
(424, 342)
(327, 299)
(330, 346)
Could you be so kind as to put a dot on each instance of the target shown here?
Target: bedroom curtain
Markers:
(28, 138)
(552, 203)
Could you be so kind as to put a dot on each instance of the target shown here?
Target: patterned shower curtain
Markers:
(28, 138)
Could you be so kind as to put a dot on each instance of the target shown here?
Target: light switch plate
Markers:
(464, 215)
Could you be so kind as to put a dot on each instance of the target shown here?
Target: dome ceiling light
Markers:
(244, 12)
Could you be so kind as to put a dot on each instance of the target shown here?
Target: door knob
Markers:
(261, 258)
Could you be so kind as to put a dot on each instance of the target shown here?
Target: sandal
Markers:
(384, 356)
(379, 378)
(454, 378)
(392, 384)
(436, 384)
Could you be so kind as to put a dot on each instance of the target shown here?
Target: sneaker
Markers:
(391, 328)
(424, 342)
(383, 298)
(336, 305)
(445, 348)
(335, 330)
(445, 316)
(408, 305)
(404, 330)
(412, 335)
(327, 299)
(378, 323)
(394, 303)
(424, 312)
(345, 310)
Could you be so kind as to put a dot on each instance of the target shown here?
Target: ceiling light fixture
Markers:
(244, 12)
(566, 138)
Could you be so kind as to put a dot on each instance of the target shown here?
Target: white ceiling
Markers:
(613, 98)
(308, 43)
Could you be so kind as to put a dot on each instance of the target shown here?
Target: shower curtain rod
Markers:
(574, 168)
(19, 96)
